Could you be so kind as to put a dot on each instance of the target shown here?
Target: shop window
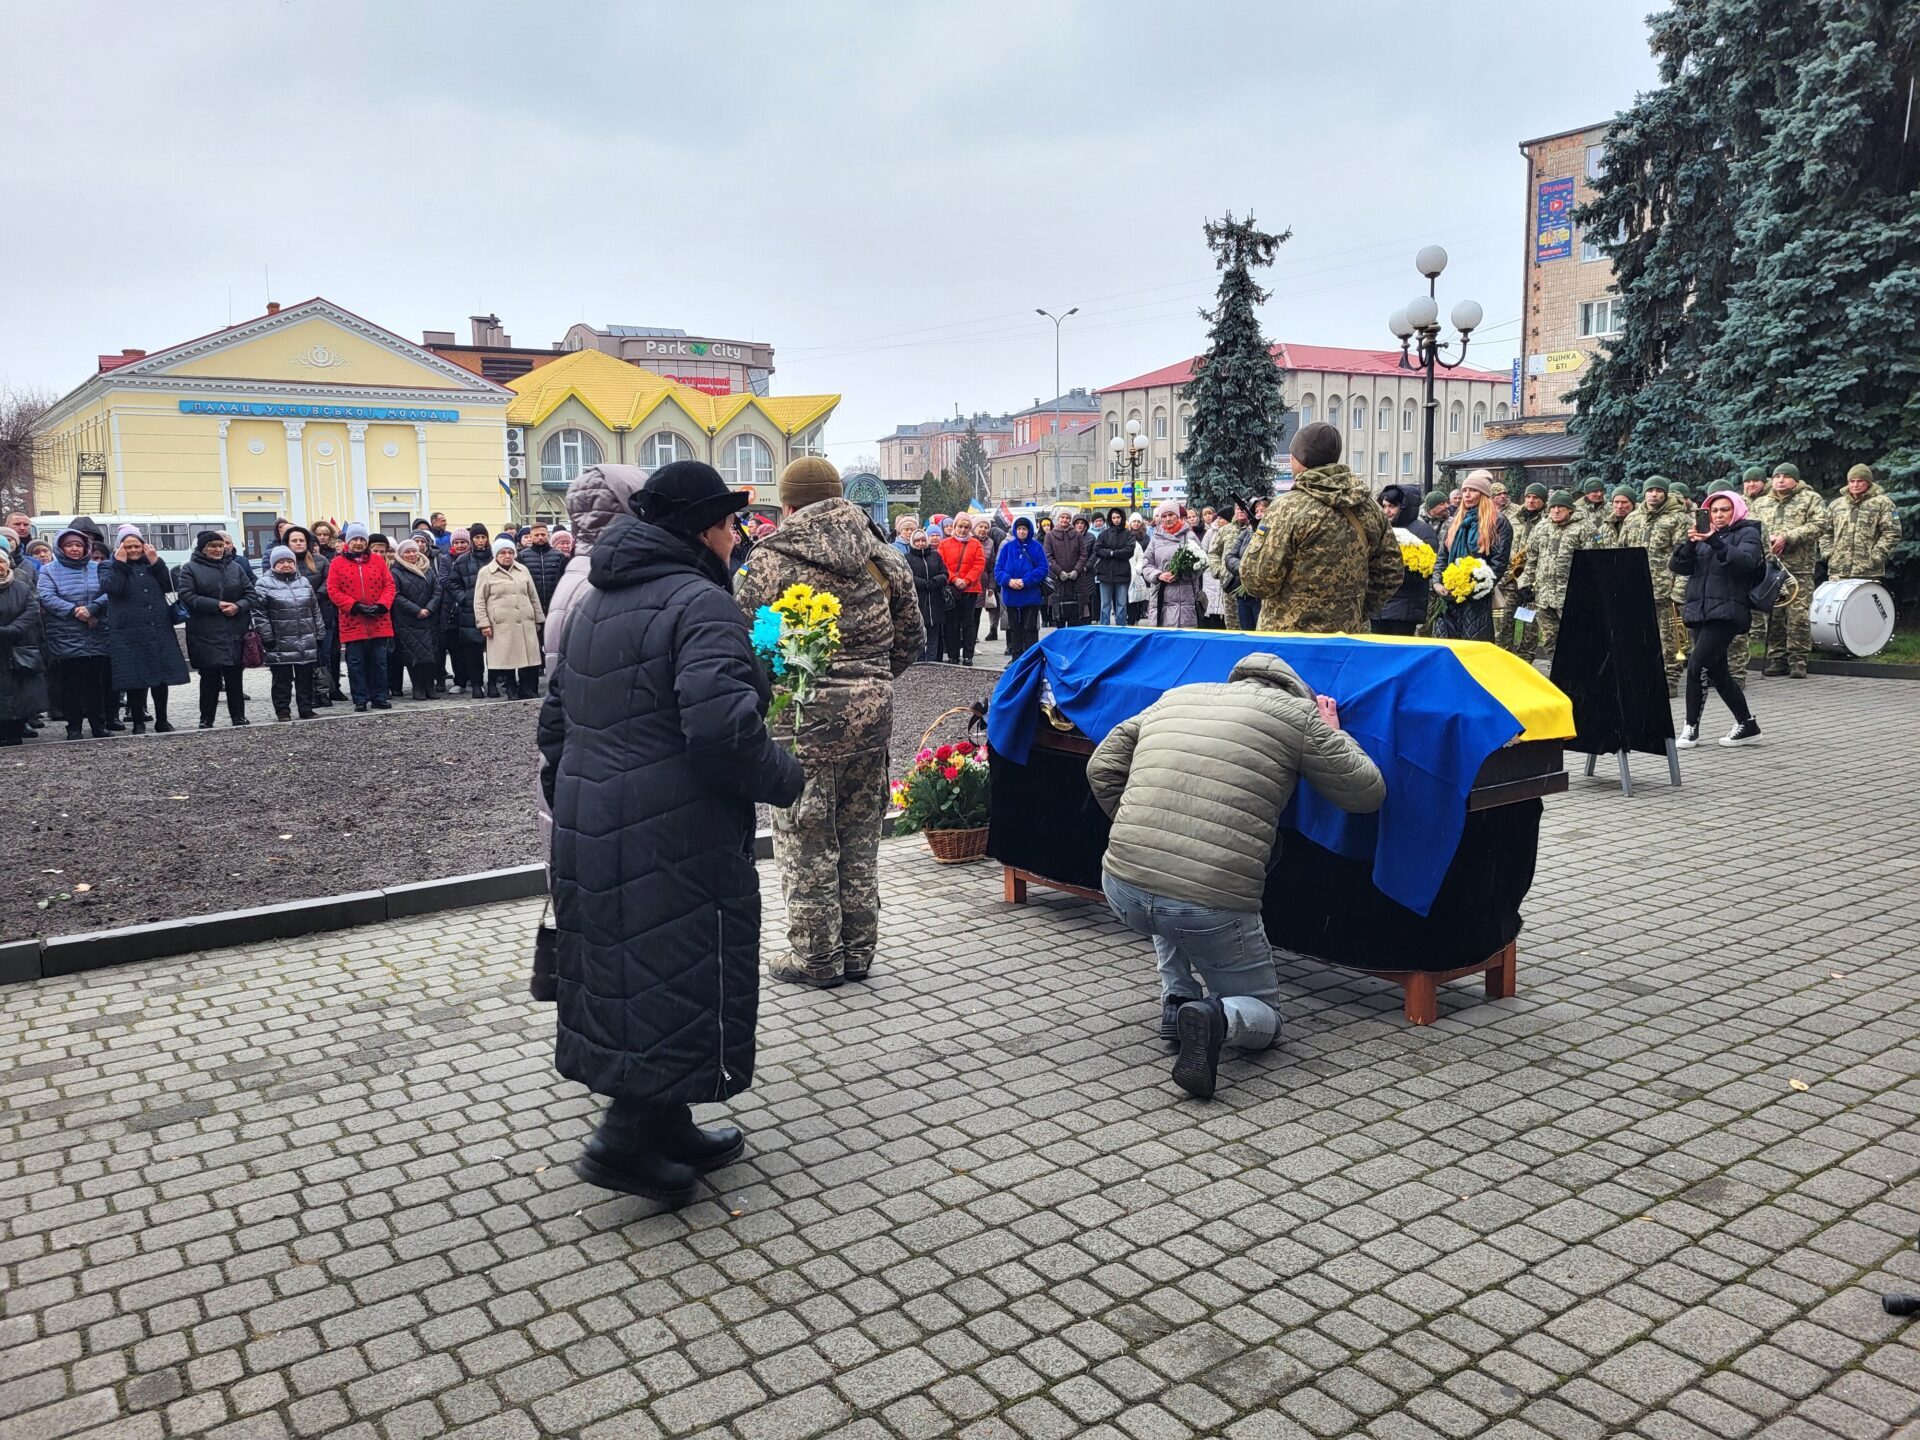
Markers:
(747, 460)
(663, 447)
(565, 454)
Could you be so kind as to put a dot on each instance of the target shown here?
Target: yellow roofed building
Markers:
(588, 407)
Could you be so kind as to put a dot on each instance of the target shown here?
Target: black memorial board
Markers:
(1608, 659)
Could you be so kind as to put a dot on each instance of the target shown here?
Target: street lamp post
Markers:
(1129, 455)
(1417, 324)
(1058, 321)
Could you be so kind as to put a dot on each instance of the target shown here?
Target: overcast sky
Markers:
(882, 192)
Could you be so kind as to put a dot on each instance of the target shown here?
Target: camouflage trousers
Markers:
(1740, 653)
(1504, 604)
(1790, 628)
(827, 844)
(1547, 622)
(1673, 639)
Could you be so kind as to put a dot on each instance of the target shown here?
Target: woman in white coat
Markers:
(507, 610)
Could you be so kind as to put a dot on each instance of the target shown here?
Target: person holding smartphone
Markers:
(1720, 557)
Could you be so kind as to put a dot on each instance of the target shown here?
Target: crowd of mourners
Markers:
(91, 625)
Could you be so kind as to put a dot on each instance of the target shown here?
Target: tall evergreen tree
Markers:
(970, 466)
(942, 494)
(1238, 408)
(1660, 208)
(1818, 360)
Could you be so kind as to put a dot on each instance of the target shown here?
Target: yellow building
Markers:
(308, 412)
(589, 407)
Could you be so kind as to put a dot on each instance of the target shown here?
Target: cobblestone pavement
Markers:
(321, 1188)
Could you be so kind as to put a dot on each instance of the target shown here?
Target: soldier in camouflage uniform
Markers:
(1550, 551)
(1865, 529)
(827, 843)
(1324, 560)
(1794, 523)
(1657, 526)
(1520, 639)
(1753, 489)
(1590, 507)
(1613, 523)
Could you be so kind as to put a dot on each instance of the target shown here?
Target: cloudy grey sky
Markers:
(883, 192)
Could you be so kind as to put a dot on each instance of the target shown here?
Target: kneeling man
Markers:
(1195, 785)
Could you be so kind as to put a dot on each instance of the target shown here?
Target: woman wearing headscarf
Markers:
(506, 608)
(1406, 609)
(417, 602)
(929, 586)
(1022, 577)
(1720, 558)
(293, 632)
(218, 595)
(1067, 555)
(463, 633)
(74, 629)
(23, 681)
(141, 644)
(312, 562)
(654, 752)
(1478, 531)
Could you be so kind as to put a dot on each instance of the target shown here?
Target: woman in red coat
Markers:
(966, 562)
(361, 588)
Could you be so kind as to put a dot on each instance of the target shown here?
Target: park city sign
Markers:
(699, 350)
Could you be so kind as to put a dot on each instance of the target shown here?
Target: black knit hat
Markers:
(686, 497)
(1316, 445)
(206, 538)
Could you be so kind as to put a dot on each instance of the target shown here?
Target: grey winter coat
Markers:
(145, 650)
(1175, 606)
(62, 587)
(1196, 783)
(288, 618)
(213, 638)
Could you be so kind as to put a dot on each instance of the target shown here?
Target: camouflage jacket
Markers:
(1522, 522)
(1590, 516)
(1613, 531)
(832, 546)
(1864, 534)
(1801, 519)
(1324, 560)
(1658, 532)
(1550, 552)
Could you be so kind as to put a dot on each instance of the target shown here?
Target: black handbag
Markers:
(545, 982)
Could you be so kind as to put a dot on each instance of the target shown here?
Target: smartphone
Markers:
(1702, 521)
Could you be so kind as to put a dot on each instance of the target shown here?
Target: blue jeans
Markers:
(1228, 949)
(367, 669)
(1113, 602)
(1248, 610)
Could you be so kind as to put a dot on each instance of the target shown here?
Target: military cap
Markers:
(1623, 492)
(1678, 489)
(1861, 472)
(1587, 487)
(1435, 499)
(1499, 487)
(1660, 483)
(1752, 472)
(1560, 497)
(1536, 488)
(1792, 472)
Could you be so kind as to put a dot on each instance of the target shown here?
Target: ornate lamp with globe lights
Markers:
(1129, 456)
(1417, 325)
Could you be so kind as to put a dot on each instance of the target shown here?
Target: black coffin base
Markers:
(1045, 822)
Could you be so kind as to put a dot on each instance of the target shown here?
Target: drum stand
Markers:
(1626, 772)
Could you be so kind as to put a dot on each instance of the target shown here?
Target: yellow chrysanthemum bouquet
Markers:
(797, 636)
(1419, 558)
(1468, 578)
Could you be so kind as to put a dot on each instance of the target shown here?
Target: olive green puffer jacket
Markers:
(1196, 783)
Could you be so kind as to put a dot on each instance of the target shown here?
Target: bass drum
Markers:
(1852, 617)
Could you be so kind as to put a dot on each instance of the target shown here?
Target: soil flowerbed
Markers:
(132, 830)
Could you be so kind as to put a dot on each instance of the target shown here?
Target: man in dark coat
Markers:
(544, 563)
(654, 752)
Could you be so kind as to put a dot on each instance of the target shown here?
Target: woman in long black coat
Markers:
(462, 629)
(417, 622)
(654, 754)
(311, 561)
(23, 665)
(218, 594)
(140, 639)
(929, 573)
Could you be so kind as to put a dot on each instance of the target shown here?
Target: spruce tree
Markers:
(1660, 208)
(970, 465)
(1818, 359)
(1235, 392)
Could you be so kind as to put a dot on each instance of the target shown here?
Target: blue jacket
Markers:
(1022, 560)
(62, 586)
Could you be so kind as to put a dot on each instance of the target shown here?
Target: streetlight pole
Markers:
(1130, 453)
(1058, 321)
(1417, 324)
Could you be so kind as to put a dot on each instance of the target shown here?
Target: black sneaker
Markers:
(383, 704)
(1202, 1030)
(1745, 733)
(359, 709)
(1170, 1016)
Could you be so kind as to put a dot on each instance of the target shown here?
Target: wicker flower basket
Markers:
(957, 847)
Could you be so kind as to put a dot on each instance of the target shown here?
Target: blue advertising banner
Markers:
(1553, 221)
(1514, 398)
(279, 410)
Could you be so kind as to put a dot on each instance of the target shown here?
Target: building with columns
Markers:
(1376, 405)
(307, 412)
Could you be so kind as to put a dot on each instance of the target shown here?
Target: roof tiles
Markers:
(621, 395)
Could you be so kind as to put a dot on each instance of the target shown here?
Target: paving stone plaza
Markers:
(322, 1187)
